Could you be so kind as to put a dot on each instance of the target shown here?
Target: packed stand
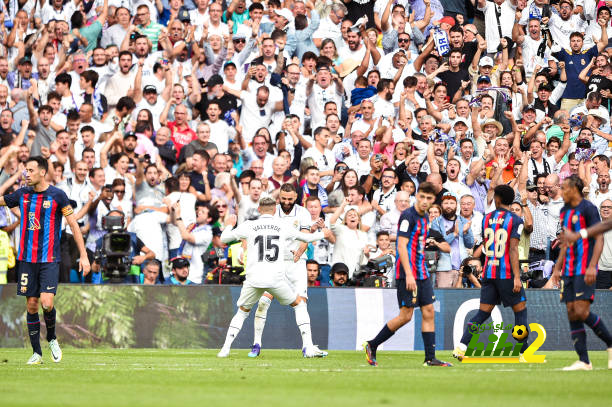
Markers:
(161, 118)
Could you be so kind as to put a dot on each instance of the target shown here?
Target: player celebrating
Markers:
(577, 266)
(501, 232)
(414, 288)
(295, 262)
(266, 250)
(42, 206)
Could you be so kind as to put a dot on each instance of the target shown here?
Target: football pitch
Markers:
(152, 377)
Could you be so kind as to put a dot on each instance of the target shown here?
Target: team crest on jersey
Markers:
(33, 223)
(23, 289)
(574, 218)
(46, 204)
(582, 62)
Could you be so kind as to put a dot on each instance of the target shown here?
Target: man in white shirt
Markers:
(499, 16)
(265, 271)
(453, 184)
(220, 132)
(360, 162)
(329, 27)
(325, 88)
(197, 239)
(323, 156)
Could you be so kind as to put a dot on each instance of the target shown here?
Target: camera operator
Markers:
(180, 272)
(383, 248)
(103, 260)
(338, 276)
(471, 273)
(434, 246)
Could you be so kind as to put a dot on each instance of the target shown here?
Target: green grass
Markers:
(115, 377)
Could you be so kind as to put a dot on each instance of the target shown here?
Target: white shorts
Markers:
(297, 276)
(249, 295)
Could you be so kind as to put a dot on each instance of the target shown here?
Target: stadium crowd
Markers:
(173, 114)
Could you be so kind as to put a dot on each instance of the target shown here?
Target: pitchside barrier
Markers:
(198, 316)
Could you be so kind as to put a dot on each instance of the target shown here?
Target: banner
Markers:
(132, 316)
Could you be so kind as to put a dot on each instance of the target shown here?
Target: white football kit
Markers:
(266, 250)
(299, 219)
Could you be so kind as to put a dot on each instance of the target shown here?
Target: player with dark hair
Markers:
(501, 283)
(414, 288)
(42, 206)
(577, 269)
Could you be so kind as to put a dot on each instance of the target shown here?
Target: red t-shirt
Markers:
(181, 137)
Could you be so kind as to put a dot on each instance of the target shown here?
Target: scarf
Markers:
(321, 194)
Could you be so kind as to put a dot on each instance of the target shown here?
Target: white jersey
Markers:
(266, 248)
(299, 218)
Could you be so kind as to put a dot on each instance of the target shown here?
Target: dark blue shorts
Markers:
(36, 278)
(575, 289)
(424, 294)
(499, 291)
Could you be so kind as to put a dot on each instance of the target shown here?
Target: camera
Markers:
(115, 255)
(373, 274)
(221, 274)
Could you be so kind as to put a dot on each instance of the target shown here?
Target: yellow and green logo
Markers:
(494, 348)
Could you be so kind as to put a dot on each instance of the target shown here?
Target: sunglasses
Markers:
(400, 40)
(220, 206)
(238, 40)
(119, 191)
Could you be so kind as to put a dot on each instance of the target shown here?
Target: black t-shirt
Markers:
(376, 184)
(359, 8)
(598, 83)
(453, 80)
(469, 50)
(435, 235)
(226, 102)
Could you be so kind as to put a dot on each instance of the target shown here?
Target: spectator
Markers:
(181, 270)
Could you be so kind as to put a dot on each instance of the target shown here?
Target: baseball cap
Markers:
(448, 20)
(129, 134)
(283, 12)
(545, 86)
(179, 262)
(340, 268)
(24, 60)
(183, 16)
(448, 195)
(149, 89)
(214, 80)
(483, 78)
(528, 107)
(530, 186)
(485, 61)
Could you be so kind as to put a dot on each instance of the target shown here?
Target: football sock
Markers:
(478, 319)
(303, 322)
(579, 339)
(234, 327)
(429, 340)
(382, 336)
(260, 318)
(520, 318)
(50, 322)
(34, 331)
(597, 325)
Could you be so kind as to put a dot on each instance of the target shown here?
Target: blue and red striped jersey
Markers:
(578, 256)
(41, 221)
(414, 227)
(498, 227)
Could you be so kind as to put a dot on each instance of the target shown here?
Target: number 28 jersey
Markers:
(498, 227)
(266, 248)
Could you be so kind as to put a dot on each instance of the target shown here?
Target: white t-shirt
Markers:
(220, 134)
(325, 162)
(506, 21)
(299, 218)
(203, 237)
(148, 228)
(266, 248)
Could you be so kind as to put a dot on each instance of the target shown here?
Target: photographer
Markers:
(471, 273)
(106, 262)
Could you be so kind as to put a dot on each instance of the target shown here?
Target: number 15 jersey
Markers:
(498, 227)
(266, 248)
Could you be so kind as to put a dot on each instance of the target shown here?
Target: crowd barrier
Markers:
(197, 317)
